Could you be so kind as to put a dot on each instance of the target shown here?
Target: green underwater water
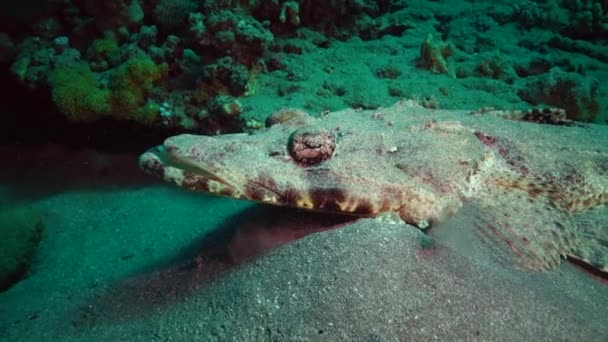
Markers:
(93, 249)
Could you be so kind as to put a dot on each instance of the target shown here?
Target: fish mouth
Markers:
(170, 165)
(198, 174)
(152, 161)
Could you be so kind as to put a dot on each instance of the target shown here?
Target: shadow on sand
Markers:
(241, 239)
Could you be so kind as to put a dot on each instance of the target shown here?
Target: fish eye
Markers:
(309, 145)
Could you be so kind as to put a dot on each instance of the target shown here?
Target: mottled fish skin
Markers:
(529, 180)
(552, 116)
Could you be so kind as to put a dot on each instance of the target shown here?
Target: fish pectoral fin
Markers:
(523, 225)
(592, 249)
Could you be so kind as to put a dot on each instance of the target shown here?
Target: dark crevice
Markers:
(30, 118)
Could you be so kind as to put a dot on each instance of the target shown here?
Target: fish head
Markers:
(340, 164)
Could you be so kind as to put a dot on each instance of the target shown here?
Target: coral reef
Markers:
(198, 61)
(171, 14)
(588, 18)
(497, 67)
(114, 14)
(89, 54)
(579, 96)
(75, 92)
(434, 55)
(582, 19)
(78, 93)
(102, 54)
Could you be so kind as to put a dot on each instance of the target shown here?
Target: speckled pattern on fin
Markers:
(592, 248)
(551, 116)
(523, 222)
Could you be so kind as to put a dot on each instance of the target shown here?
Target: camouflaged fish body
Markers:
(530, 181)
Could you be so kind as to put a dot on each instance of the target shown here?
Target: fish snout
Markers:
(151, 161)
